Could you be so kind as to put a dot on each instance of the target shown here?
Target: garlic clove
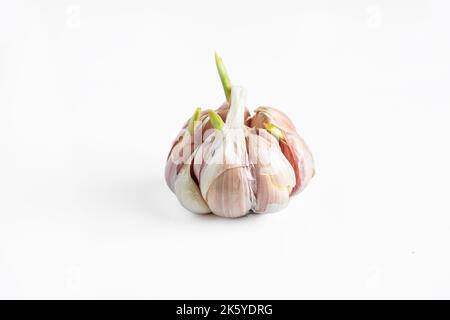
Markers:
(223, 150)
(224, 178)
(299, 155)
(229, 195)
(271, 196)
(170, 175)
(224, 175)
(274, 175)
(183, 147)
(188, 192)
(292, 145)
(177, 156)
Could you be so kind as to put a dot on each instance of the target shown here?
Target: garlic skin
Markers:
(188, 140)
(275, 178)
(230, 163)
(177, 157)
(224, 180)
(188, 192)
(183, 147)
(292, 145)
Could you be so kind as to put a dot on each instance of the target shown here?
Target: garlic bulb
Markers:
(229, 163)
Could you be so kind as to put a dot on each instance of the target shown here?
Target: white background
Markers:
(92, 94)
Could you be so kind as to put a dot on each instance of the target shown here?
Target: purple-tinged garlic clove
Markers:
(292, 145)
(183, 147)
(188, 192)
(224, 174)
(274, 175)
(229, 194)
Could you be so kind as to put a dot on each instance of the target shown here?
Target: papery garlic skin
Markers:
(225, 179)
(274, 176)
(176, 158)
(188, 192)
(292, 145)
(182, 148)
(186, 142)
(301, 159)
(179, 178)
